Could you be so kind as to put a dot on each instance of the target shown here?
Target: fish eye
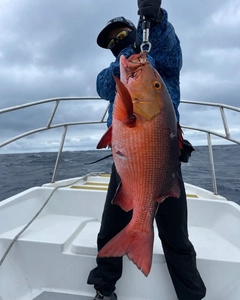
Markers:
(157, 85)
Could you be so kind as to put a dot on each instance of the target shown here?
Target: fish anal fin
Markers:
(122, 199)
(137, 245)
(106, 139)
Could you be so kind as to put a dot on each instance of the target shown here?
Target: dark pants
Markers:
(171, 219)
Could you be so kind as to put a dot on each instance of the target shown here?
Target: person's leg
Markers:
(114, 219)
(171, 219)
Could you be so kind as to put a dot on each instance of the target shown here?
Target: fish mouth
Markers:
(133, 74)
(140, 58)
(133, 66)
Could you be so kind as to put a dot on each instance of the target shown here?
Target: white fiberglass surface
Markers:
(208, 243)
(60, 296)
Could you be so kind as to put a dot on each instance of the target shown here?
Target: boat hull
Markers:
(55, 254)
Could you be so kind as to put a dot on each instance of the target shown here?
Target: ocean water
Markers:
(22, 171)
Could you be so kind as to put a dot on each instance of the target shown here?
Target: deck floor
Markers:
(60, 296)
(57, 230)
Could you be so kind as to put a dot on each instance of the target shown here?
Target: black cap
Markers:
(102, 39)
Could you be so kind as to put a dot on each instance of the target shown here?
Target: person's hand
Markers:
(136, 47)
(149, 8)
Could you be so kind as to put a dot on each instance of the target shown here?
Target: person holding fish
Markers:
(147, 146)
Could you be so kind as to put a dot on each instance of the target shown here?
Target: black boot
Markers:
(99, 296)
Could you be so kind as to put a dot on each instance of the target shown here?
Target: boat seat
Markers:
(211, 245)
(208, 243)
(86, 242)
(52, 229)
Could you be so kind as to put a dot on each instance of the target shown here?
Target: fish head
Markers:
(146, 87)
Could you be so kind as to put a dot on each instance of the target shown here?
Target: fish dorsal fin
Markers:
(106, 139)
(123, 103)
(180, 137)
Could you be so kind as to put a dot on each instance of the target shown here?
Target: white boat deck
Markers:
(53, 257)
(61, 296)
(79, 234)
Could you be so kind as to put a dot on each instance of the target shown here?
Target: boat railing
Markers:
(226, 135)
(222, 108)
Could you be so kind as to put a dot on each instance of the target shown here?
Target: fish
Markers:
(146, 140)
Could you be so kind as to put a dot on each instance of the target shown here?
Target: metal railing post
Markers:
(53, 113)
(214, 182)
(59, 153)
(225, 124)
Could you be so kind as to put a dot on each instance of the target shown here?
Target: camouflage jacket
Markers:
(165, 56)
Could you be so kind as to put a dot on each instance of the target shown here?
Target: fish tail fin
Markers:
(137, 245)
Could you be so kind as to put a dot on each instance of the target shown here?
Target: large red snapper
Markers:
(145, 147)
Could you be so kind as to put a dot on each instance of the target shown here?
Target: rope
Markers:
(84, 178)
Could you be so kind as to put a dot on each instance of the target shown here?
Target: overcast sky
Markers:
(48, 49)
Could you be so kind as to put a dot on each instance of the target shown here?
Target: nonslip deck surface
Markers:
(103, 186)
(60, 296)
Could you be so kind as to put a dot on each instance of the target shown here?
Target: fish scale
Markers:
(144, 144)
(132, 173)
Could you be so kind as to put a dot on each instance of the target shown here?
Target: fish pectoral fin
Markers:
(123, 106)
(136, 244)
(122, 199)
(106, 139)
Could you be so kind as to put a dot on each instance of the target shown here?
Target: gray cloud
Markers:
(48, 49)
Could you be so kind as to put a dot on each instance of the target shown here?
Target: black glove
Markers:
(151, 9)
(186, 151)
(136, 47)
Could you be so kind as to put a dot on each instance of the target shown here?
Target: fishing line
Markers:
(93, 162)
(84, 178)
